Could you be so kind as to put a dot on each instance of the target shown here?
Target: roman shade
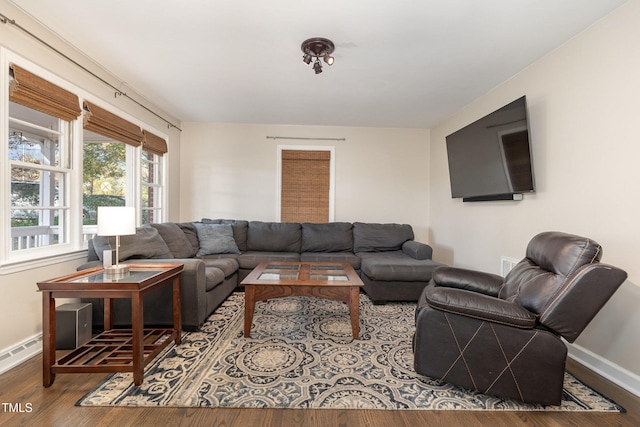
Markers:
(103, 122)
(25, 88)
(153, 143)
(305, 186)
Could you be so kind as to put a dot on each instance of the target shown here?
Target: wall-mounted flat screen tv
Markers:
(490, 159)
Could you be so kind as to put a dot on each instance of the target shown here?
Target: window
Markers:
(63, 158)
(151, 179)
(40, 172)
(38, 161)
(104, 175)
(151, 182)
(306, 182)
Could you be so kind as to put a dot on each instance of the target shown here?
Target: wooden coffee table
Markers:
(332, 280)
(115, 350)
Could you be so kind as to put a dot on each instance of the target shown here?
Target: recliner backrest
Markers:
(562, 281)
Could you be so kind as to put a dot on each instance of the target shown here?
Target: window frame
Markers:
(75, 245)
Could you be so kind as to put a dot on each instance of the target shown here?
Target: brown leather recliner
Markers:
(502, 336)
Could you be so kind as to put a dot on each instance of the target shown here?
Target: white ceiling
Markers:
(402, 63)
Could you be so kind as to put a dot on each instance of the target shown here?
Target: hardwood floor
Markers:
(54, 406)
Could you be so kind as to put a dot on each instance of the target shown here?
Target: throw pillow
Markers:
(216, 239)
(239, 228)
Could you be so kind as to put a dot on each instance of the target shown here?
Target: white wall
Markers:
(20, 304)
(584, 111)
(230, 171)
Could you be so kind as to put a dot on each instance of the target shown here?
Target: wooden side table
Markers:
(115, 350)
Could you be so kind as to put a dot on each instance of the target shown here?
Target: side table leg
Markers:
(48, 338)
(249, 306)
(137, 332)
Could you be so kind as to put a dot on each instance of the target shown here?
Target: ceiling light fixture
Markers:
(318, 47)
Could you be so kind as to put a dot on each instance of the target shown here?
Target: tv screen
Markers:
(490, 159)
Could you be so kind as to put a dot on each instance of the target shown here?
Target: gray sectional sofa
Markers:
(218, 254)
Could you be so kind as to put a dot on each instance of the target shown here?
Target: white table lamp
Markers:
(116, 221)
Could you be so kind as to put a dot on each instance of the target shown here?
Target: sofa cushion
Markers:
(229, 266)
(396, 266)
(214, 276)
(380, 237)
(215, 239)
(274, 236)
(329, 237)
(239, 230)
(146, 243)
(176, 240)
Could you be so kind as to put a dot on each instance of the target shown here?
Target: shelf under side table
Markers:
(112, 351)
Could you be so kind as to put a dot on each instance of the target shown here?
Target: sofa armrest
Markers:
(478, 306)
(470, 280)
(193, 289)
(417, 250)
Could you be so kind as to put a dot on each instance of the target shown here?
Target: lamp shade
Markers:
(116, 220)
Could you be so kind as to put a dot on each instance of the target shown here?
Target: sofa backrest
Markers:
(328, 237)
(175, 236)
(380, 237)
(274, 236)
(181, 239)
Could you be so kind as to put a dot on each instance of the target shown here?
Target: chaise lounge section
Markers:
(219, 253)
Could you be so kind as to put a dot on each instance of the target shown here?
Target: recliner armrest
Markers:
(470, 280)
(483, 307)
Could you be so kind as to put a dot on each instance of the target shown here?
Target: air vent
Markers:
(506, 264)
(20, 352)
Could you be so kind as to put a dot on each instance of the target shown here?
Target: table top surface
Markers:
(139, 275)
(303, 274)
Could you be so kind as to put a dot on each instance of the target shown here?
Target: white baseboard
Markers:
(17, 354)
(609, 370)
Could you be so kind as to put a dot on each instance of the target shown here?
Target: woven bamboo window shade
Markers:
(154, 144)
(35, 92)
(305, 186)
(105, 123)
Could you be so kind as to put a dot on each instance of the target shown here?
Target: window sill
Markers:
(19, 266)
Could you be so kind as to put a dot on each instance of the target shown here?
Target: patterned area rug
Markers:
(301, 355)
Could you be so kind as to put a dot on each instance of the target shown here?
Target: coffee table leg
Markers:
(354, 310)
(249, 306)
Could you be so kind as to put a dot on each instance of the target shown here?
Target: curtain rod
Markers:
(306, 139)
(118, 92)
